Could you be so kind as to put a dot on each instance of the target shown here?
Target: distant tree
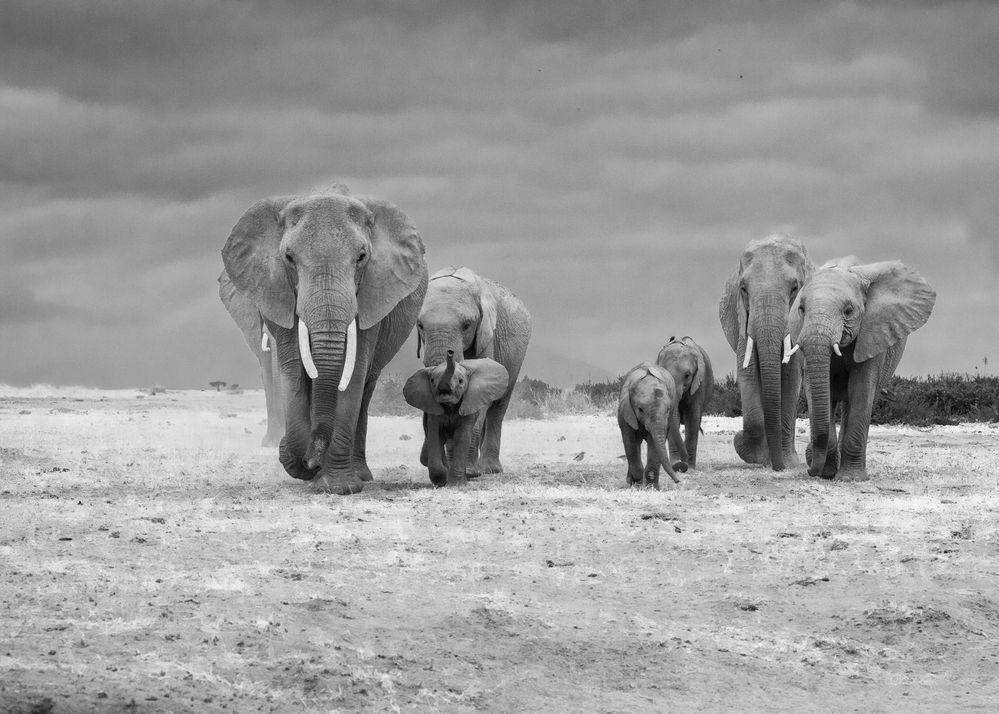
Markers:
(218, 385)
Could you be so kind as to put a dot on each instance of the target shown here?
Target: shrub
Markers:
(603, 395)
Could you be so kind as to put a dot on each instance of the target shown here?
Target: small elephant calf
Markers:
(690, 368)
(647, 411)
(453, 396)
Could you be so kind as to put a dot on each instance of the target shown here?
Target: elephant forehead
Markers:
(447, 298)
(834, 282)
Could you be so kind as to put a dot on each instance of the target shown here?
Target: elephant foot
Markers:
(438, 476)
(292, 462)
(853, 473)
(340, 484)
(634, 480)
(490, 465)
(362, 471)
(750, 450)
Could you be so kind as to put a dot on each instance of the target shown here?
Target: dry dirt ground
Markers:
(154, 558)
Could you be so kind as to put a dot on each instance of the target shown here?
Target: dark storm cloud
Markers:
(608, 161)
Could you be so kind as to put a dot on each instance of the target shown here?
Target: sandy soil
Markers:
(154, 558)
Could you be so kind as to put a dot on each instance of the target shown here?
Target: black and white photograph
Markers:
(499, 356)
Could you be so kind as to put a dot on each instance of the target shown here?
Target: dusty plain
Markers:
(155, 558)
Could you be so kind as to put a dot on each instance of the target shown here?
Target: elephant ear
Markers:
(396, 267)
(253, 261)
(698, 379)
(625, 411)
(487, 382)
(730, 311)
(794, 320)
(487, 323)
(419, 392)
(899, 301)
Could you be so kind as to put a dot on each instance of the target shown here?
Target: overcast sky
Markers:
(607, 161)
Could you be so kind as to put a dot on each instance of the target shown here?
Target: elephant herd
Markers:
(327, 287)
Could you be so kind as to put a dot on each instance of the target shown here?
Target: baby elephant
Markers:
(452, 395)
(648, 411)
(690, 368)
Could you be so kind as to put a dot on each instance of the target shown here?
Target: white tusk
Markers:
(264, 347)
(351, 357)
(788, 350)
(836, 349)
(305, 350)
(749, 352)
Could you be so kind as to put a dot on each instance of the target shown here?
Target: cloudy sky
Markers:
(606, 161)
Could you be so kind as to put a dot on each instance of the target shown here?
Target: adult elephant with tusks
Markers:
(753, 313)
(852, 322)
(339, 281)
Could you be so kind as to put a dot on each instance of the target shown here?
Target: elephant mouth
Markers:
(447, 400)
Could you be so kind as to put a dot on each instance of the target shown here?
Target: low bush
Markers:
(921, 401)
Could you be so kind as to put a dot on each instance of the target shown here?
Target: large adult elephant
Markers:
(476, 318)
(339, 281)
(852, 322)
(753, 313)
(244, 313)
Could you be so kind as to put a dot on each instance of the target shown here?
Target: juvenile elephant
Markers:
(339, 281)
(753, 313)
(452, 396)
(852, 322)
(476, 318)
(647, 411)
(246, 316)
(688, 364)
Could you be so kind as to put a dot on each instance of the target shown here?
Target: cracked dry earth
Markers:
(155, 559)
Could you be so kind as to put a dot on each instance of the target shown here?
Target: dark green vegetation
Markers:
(920, 401)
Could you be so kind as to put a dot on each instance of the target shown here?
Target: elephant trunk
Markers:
(331, 345)
(659, 439)
(817, 359)
(449, 370)
(437, 344)
(768, 326)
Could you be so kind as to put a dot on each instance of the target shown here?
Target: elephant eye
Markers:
(466, 324)
(848, 310)
(361, 257)
(288, 256)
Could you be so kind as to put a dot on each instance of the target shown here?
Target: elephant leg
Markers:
(437, 463)
(862, 389)
(425, 449)
(270, 375)
(489, 459)
(751, 442)
(792, 375)
(456, 475)
(473, 468)
(337, 474)
(298, 420)
(677, 444)
(633, 452)
(359, 457)
(692, 431)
